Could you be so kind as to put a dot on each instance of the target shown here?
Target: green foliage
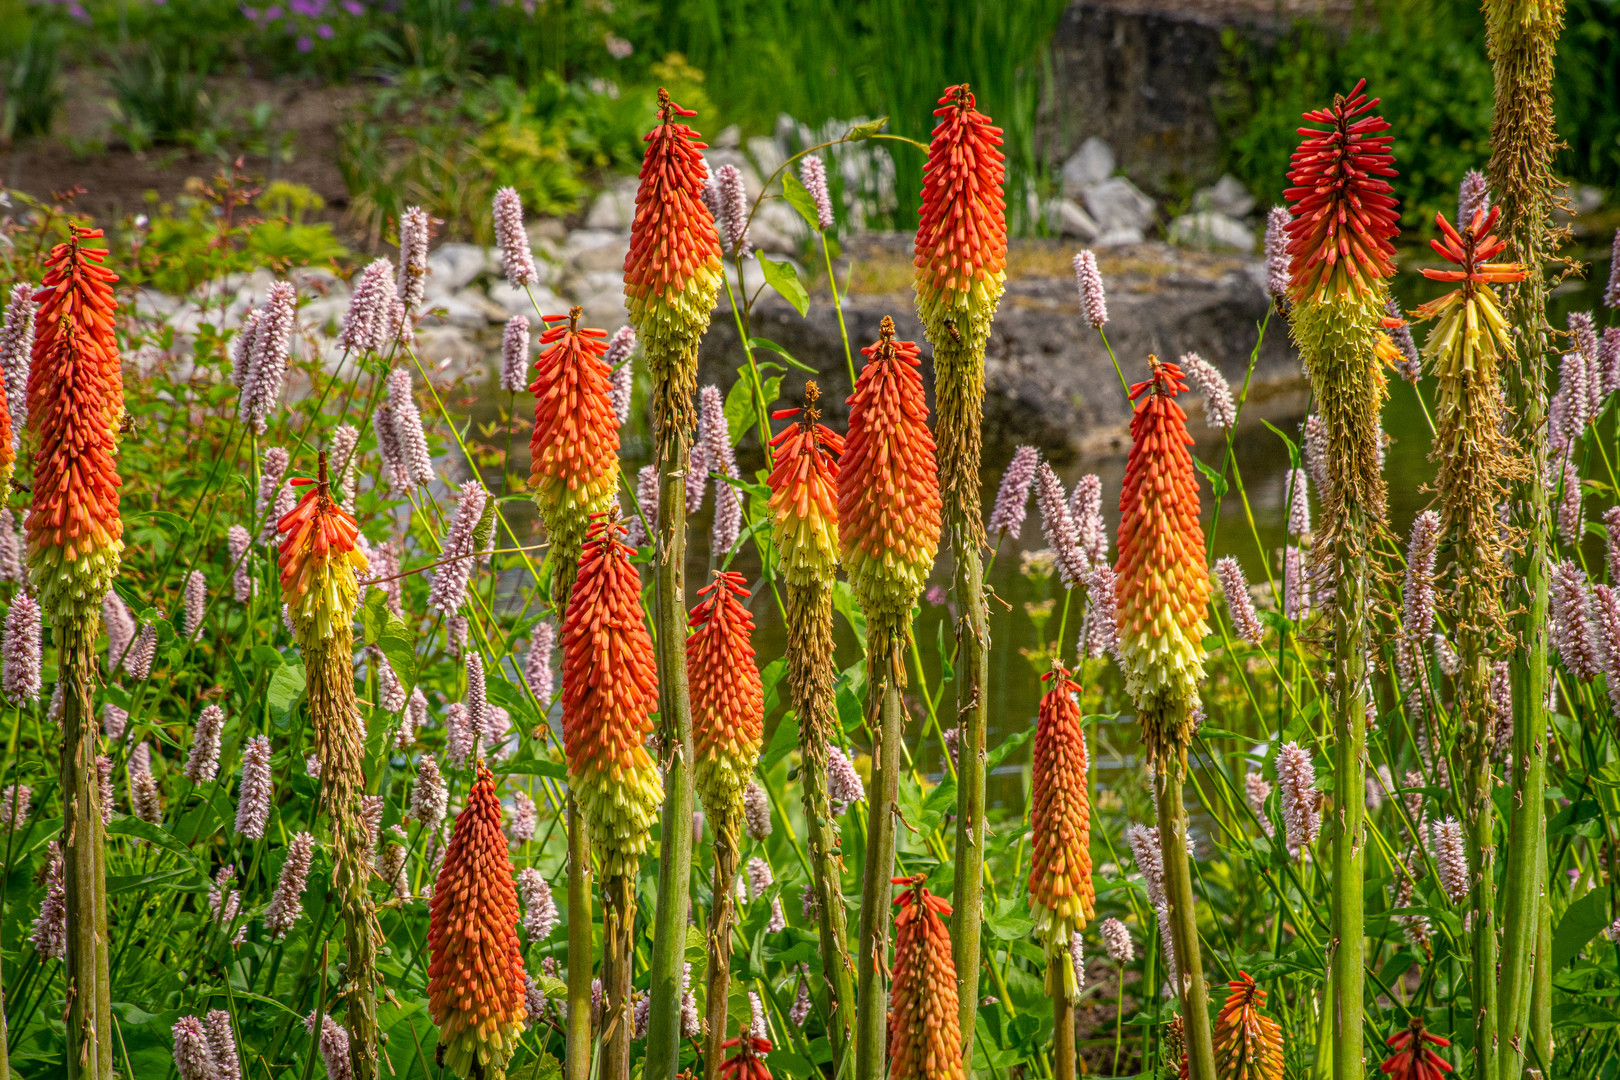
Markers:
(32, 68)
(159, 93)
(1423, 61)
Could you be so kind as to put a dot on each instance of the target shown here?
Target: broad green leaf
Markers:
(845, 604)
(1580, 924)
(398, 645)
(514, 700)
(555, 989)
(742, 410)
(157, 836)
(286, 683)
(784, 278)
(784, 741)
(772, 677)
(999, 752)
(266, 657)
(1217, 482)
(1010, 920)
(174, 524)
(799, 197)
(556, 770)
(767, 343)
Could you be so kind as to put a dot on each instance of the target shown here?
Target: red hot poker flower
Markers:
(888, 483)
(1163, 579)
(1248, 1043)
(574, 452)
(1344, 214)
(1061, 892)
(961, 244)
(924, 1038)
(728, 698)
(610, 689)
(804, 493)
(75, 404)
(1413, 1060)
(320, 561)
(475, 979)
(749, 1062)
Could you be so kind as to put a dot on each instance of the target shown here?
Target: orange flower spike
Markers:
(1061, 894)
(1413, 1060)
(75, 405)
(804, 493)
(961, 247)
(728, 697)
(475, 978)
(574, 451)
(1163, 578)
(1248, 1044)
(319, 562)
(1344, 215)
(924, 1040)
(610, 689)
(672, 272)
(888, 486)
(749, 1061)
(1472, 335)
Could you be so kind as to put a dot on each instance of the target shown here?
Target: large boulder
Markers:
(1116, 204)
(1209, 230)
(1091, 164)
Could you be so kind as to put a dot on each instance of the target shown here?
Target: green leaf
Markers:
(799, 197)
(742, 411)
(999, 753)
(157, 836)
(398, 645)
(767, 343)
(784, 278)
(1293, 448)
(171, 523)
(286, 684)
(772, 677)
(556, 770)
(1210, 732)
(1217, 482)
(513, 699)
(1580, 924)
(862, 132)
(1010, 921)
(845, 604)
(783, 742)
(555, 989)
(266, 656)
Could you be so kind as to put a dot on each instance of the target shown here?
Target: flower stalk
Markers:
(960, 260)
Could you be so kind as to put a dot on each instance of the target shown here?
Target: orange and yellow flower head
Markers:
(1162, 578)
(1344, 212)
(574, 451)
(1472, 335)
(610, 689)
(728, 698)
(961, 249)
(320, 563)
(888, 486)
(1248, 1043)
(1061, 894)
(925, 1040)
(672, 272)
(75, 406)
(804, 494)
(475, 977)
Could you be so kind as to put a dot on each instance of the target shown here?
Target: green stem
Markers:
(727, 840)
(84, 864)
(1178, 890)
(675, 719)
(578, 1046)
(973, 677)
(1351, 617)
(883, 661)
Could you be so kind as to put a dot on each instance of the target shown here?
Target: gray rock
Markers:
(730, 137)
(777, 228)
(1065, 217)
(468, 309)
(1225, 196)
(615, 208)
(591, 257)
(1209, 230)
(716, 157)
(450, 349)
(768, 157)
(515, 301)
(1118, 238)
(317, 281)
(324, 315)
(453, 266)
(601, 294)
(1091, 164)
(1118, 204)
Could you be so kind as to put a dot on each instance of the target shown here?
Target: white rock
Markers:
(1065, 217)
(324, 315)
(777, 228)
(730, 137)
(468, 309)
(1226, 196)
(718, 157)
(1118, 238)
(1091, 164)
(317, 281)
(453, 266)
(1211, 231)
(515, 301)
(768, 157)
(615, 208)
(601, 257)
(1116, 203)
(452, 344)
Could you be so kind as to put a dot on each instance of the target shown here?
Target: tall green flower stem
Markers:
(1522, 36)
(885, 675)
(84, 862)
(727, 851)
(810, 683)
(581, 956)
(618, 955)
(1178, 890)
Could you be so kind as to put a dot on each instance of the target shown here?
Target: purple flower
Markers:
(515, 355)
(306, 45)
(253, 797)
(1474, 193)
(1611, 292)
(264, 371)
(715, 436)
(20, 675)
(11, 549)
(1085, 510)
(1450, 858)
(1144, 842)
(16, 352)
(430, 800)
(512, 240)
(15, 802)
(1417, 596)
(1101, 628)
(193, 1059)
(1257, 789)
(1093, 300)
(756, 812)
(1573, 632)
(537, 668)
(1239, 604)
(1299, 503)
(844, 787)
(368, 323)
(334, 1047)
(1012, 497)
(647, 499)
(617, 358)
(1313, 437)
(1116, 941)
(324, 31)
(525, 818)
(1296, 781)
(1411, 365)
(540, 915)
(1606, 612)
(203, 764)
(813, 175)
(196, 600)
(1058, 527)
(1296, 585)
(414, 231)
(459, 735)
(272, 467)
(287, 902)
(1219, 412)
(50, 927)
(1277, 252)
(1571, 505)
(407, 422)
(449, 589)
(733, 218)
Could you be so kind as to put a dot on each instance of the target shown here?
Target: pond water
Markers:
(1031, 609)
